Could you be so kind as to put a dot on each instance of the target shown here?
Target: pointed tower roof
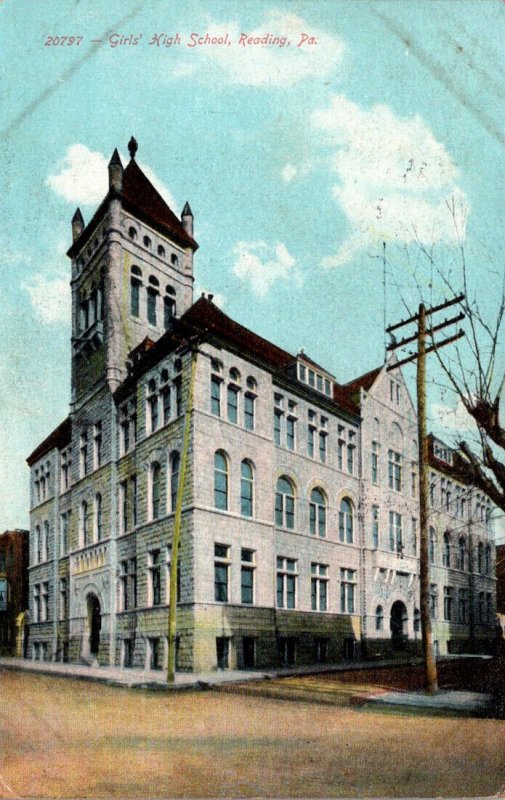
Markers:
(143, 200)
(115, 159)
(186, 211)
(78, 217)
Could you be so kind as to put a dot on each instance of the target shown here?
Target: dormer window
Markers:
(315, 379)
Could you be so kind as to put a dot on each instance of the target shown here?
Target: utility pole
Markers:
(430, 665)
(174, 561)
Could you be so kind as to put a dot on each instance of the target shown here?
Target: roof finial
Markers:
(132, 147)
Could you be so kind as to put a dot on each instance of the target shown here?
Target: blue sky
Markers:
(298, 163)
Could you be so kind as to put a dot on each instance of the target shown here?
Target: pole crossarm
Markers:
(436, 346)
(429, 332)
(428, 312)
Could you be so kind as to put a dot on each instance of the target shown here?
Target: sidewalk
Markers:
(446, 700)
(157, 679)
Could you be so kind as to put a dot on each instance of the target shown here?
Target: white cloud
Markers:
(291, 171)
(262, 265)
(395, 181)
(83, 177)
(50, 298)
(271, 64)
(217, 298)
(453, 419)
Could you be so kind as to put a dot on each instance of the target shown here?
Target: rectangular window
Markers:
(319, 587)
(290, 433)
(155, 658)
(463, 605)
(63, 598)
(375, 527)
(221, 572)
(375, 463)
(413, 533)
(168, 557)
(433, 600)
(178, 395)
(223, 652)
(286, 582)
(83, 454)
(65, 471)
(395, 470)
(448, 596)
(36, 602)
(322, 447)
(134, 499)
(249, 412)
(232, 404)
(152, 296)
(350, 459)
(311, 435)
(123, 506)
(44, 602)
(277, 425)
(395, 532)
(123, 586)
(247, 576)
(347, 590)
(124, 431)
(153, 412)
(165, 404)
(97, 445)
(135, 297)
(64, 521)
(154, 577)
(215, 396)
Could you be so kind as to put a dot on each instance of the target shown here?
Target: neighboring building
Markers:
(299, 526)
(500, 579)
(13, 585)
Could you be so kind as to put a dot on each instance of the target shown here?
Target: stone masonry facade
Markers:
(299, 534)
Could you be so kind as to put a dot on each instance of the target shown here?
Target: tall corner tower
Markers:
(132, 272)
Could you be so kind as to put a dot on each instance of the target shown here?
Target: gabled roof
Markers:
(59, 438)
(365, 381)
(139, 196)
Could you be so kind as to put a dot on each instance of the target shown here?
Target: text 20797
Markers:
(63, 40)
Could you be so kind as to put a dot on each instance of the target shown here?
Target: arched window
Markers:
(155, 490)
(152, 296)
(132, 233)
(285, 503)
(461, 553)
(487, 560)
(161, 251)
(174, 260)
(433, 537)
(147, 242)
(168, 311)
(37, 546)
(317, 512)
(379, 618)
(135, 284)
(175, 461)
(220, 481)
(446, 560)
(345, 521)
(98, 517)
(480, 558)
(246, 489)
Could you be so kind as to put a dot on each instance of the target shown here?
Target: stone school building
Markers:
(299, 539)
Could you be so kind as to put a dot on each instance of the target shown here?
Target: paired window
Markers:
(346, 521)
(286, 582)
(127, 428)
(319, 587)
(221, 572)
(285, 503)
(395, 470)
(41, 602)
(317, 513)
(317, 433)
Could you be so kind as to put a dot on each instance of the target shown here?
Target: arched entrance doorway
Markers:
(398, 625)
(94, 623)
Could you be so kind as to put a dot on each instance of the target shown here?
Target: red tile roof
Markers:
(365, 381)
(60, 438)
